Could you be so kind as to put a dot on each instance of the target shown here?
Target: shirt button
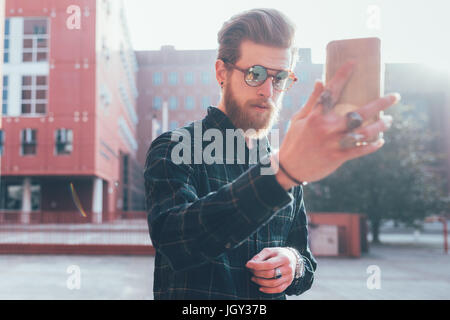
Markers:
(228, 245)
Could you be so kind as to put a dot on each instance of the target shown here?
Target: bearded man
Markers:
(225, 230)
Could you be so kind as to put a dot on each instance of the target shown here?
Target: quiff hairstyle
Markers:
(263, 26)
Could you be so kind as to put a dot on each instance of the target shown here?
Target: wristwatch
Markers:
(300, 265)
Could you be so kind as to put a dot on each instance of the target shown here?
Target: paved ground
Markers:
(410, 268)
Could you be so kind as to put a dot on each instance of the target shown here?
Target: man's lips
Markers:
(261, 107)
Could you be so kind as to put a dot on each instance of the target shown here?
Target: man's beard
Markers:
(243, 117)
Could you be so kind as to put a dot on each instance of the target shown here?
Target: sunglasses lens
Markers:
(282, 80)
(255, 76)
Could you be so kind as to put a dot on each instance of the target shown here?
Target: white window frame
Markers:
(34, 50)
(5, 89)
(157, 102)
(189, 78)
(33, 101)
(2, 141)
(6, 51)
(66, 141)
(173, 103)
(206, 77)
(189, 103)
(28, 141)
(173, 78)
(157, 78)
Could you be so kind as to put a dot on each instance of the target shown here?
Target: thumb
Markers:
(263, 255)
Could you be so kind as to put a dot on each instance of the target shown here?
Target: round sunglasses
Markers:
(256, 75)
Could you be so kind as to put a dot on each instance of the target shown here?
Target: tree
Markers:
(403, 181)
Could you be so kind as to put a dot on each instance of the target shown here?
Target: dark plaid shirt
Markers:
(207, 220)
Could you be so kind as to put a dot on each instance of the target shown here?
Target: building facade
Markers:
(2, 24)
(177, 86)
(69, 112)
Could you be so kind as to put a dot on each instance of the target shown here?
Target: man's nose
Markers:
(266, 89)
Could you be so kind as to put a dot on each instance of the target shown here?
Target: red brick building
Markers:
(2, 24)
(69, 117)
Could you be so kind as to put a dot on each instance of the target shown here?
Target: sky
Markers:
(410, 30)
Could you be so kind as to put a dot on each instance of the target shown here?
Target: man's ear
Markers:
(221, 72)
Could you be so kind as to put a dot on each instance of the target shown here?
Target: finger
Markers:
(278, 289)
(309, 105)
(264, 254)
(269, 283)
(270, 274)
(335, 86)
(373, 108)
(364, 150)
(269, 264)
(372, 130)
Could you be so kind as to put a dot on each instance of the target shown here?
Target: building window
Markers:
(189, 104)
(63, 141)
(206, 78)
(125, 181)
(5, 95)
(6, 42)
(287, 101)
(173, 125)
(34, 95)
(105, 96)
(189, 78)
(105, 49)
(11, 195)
(157, 103)
(157, 78)
(107, 6)
(35, 40)
(173, 78)
(303, 76)
(29, 142)
(125, 169)
(2, 142)
(173, 103)
(35, 197)
(205, 102)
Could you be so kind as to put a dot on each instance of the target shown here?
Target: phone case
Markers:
(366, 83)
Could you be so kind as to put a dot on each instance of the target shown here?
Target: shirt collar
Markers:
(215, 118)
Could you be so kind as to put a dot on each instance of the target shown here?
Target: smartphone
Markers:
(367, 81)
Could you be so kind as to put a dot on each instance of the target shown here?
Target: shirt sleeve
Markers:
(298, 239)
(190, 230)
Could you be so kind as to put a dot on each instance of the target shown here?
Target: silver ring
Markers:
(351, 140)
(278, 274)
(326, 100)
(354, 120)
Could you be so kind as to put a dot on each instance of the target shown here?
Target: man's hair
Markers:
(263, 26)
